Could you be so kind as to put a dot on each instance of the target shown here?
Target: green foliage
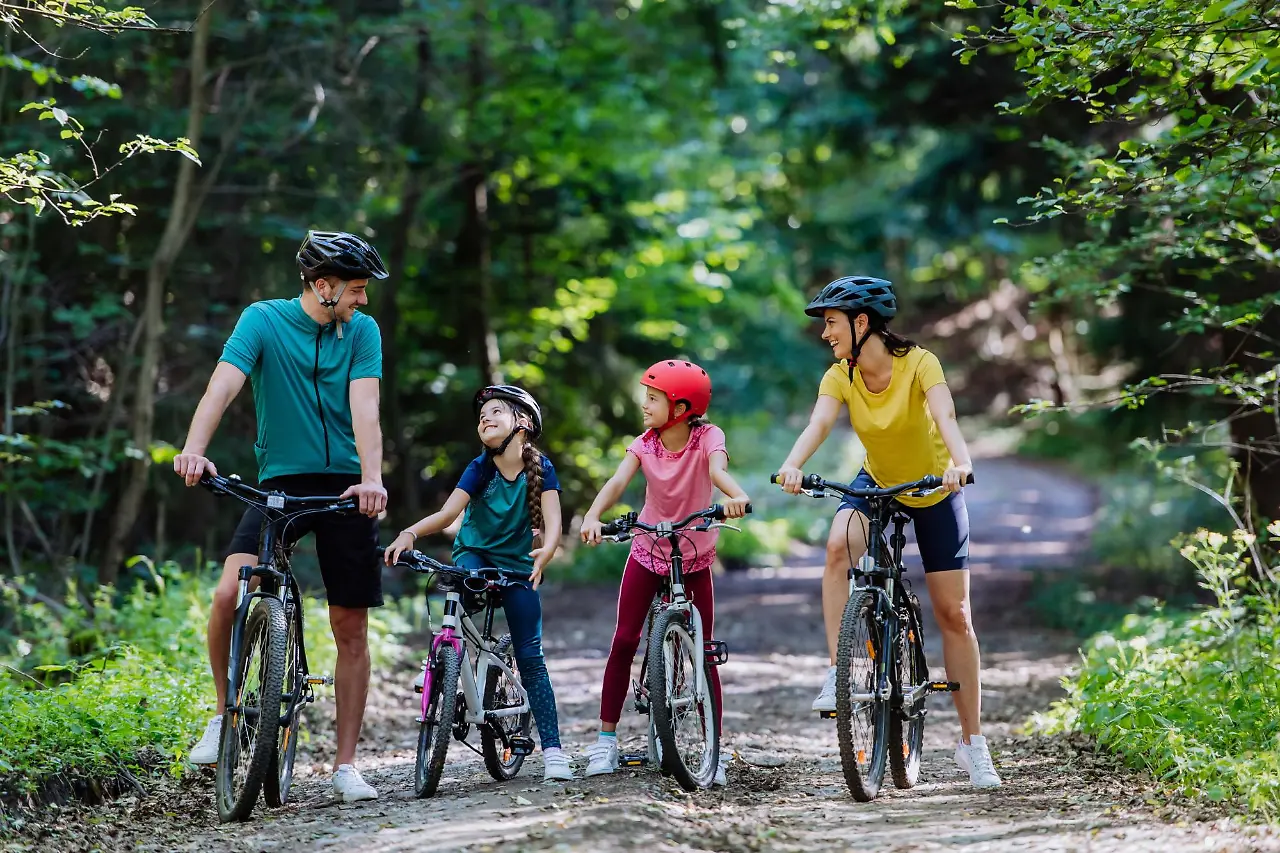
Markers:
(89, 690)
(1192, 697)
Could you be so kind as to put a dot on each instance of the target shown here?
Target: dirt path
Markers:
(786, 792)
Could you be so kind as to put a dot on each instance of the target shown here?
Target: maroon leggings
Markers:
(639, 586)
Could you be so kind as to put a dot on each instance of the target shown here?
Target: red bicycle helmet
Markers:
(680, 381)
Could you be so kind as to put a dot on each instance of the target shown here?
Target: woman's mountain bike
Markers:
(268, 681)
(676, 689)
(881, 675)
(491, 697)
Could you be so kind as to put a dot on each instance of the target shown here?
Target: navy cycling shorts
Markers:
(942, 530)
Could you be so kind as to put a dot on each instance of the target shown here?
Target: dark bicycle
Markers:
(491, 696)
(881, 675)
(676, 690)
(268, 681)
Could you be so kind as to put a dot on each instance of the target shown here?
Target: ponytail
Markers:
(532, 458)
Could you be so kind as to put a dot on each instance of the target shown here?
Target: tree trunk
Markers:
(473, 254)
(177, 228)
(400, 443)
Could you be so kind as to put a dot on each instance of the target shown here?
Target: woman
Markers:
(903, 413)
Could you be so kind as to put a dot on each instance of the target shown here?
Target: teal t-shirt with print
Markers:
(496, 526)
(301, 374)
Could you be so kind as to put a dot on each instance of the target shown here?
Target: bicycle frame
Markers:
(679, 601)
(882, 573)
(457, 629)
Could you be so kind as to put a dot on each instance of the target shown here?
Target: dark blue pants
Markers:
(523, 608)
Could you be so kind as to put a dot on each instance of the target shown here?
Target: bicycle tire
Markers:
(280, 777)
(490, 742)
(906, 736)
(674, 761)
(264, 628)
(860, 639)
(434, 734)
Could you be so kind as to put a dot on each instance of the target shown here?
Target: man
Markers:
(315, 363)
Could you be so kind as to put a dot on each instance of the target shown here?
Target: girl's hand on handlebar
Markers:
(954, 478)
(403, 543)
(791, 479)
(591, 530)
(735, 507)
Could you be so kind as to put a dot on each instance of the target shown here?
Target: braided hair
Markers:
(532, 458)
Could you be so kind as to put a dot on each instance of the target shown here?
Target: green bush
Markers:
(1193, 696)
(84, 691)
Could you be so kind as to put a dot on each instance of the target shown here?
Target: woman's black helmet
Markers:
(854, 294)
(516, 396)
(340, 254)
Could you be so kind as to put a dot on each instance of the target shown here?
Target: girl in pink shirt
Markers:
(682, 457)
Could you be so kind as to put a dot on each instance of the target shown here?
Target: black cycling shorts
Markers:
(942, 530)
(346, 544)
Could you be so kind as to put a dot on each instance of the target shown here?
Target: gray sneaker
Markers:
(826, 700)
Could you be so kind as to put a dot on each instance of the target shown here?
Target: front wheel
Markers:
(681, 705)
(437, 721)
(861, 718)
(250, 726)
(503, 691)
(280, 777)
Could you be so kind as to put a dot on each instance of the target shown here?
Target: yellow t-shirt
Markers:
(895, 426)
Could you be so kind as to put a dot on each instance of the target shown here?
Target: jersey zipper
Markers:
(315, 383)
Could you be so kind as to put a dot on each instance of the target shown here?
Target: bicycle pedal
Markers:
(633, 759)
(520, 745)
(325, 680)
(715, 652)
(943, 686)
(827, 715)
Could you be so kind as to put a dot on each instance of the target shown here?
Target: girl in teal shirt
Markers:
(510, 494)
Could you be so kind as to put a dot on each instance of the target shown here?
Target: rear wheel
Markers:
(906, 719)
(250, 726)
(861, 718)
(503, 691)
(681, 705)
(437, 721)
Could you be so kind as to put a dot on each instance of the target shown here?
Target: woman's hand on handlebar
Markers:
(736, 507)
(403, 543)
(590, 532)
(956, 476)
(790, 478)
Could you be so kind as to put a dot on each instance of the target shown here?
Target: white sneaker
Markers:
(206, 749)
(350, 787)
(826, 700)
(602, 756)
(555, 766)
(974, 758)
(721, 779)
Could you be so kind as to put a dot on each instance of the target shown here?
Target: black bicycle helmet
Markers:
(340, 254)
(517, 397)
(854, 294)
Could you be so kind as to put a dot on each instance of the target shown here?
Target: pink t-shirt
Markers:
(676, 484)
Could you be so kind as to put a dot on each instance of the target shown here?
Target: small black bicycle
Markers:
(881, 675)
(268, 681)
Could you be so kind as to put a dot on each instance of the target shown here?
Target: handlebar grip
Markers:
(773, 479)
(969, 480)
(610, 529)
(748, 509)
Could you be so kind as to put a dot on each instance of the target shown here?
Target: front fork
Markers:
(450, 632)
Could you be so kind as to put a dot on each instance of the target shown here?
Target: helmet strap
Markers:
(502, 448)
(857, 350)
(331, 304)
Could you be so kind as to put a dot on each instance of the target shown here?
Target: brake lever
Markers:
(716, 526)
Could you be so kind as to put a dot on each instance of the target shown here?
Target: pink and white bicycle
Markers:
(460, 688)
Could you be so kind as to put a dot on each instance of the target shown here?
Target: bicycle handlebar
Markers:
(275, 500)
(422, 564)
(812, 482)
(631, 521)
